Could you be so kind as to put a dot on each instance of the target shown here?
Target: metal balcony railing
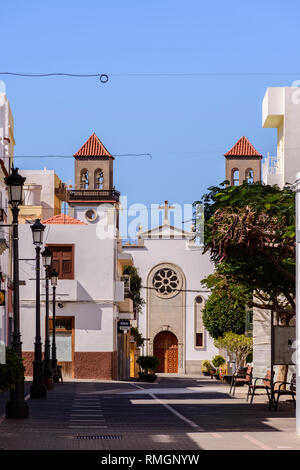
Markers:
(93, 195)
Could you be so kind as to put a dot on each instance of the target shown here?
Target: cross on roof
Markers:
(166, 208)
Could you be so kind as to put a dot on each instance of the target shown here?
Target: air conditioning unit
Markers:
(126, 279)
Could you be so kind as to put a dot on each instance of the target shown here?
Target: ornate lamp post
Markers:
(48, 380)
(16, 407)
(38, 389)
(54, 277)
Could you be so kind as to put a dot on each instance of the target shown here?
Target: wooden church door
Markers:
(166, 349)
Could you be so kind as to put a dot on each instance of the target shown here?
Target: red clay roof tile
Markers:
(243, 148)
(63, 219)
(93, 147)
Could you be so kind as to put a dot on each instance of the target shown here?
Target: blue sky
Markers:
(187, 124)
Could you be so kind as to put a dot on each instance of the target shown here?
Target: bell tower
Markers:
(93, 180)
(93, 166)
(243, 163)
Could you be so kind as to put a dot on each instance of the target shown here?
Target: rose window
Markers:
(166, 282)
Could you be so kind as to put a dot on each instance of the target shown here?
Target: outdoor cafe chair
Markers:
(241, 377)
(255, 384)
(281, 391)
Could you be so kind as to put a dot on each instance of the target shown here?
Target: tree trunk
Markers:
(282, 370)
(281, 376)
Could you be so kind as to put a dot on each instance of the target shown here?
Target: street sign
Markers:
(124, 325)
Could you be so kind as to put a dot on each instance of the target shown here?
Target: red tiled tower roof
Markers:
(93, 147)
(243, 148)
(63, 219)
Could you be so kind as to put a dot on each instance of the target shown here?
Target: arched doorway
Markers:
(165, 346)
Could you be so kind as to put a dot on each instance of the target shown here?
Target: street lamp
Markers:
(16, 407)
(47, 259)
(54, 277)
(38, 389)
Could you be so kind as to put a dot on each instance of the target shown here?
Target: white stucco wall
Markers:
(6, 153)
(281, 110)
(39, 190)
(90, 297)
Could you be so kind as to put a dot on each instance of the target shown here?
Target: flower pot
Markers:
(216, 376)
(206, 373)
(147, 377)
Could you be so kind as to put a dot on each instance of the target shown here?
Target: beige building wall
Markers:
(243, 164)
(40, 199)
(92, 165)
(167, 314)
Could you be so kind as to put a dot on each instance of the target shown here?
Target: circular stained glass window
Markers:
(166, 282)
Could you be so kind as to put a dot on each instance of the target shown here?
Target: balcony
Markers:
(126, 306)
(61, 192)
(91, 195)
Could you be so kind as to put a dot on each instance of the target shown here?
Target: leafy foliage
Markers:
(135, 287)
(218, 361)
(250, 234)
(137, 336)
(148, 363)
(12, 371)
(206, 365)
(225, 309)
(240, 345)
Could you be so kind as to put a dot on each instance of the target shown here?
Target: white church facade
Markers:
(171, 266)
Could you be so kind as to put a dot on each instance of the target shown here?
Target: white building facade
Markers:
(171, 267)
(7, 143)
(281, 111)
(85, 252)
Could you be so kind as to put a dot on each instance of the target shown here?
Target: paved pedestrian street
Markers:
(173, 414)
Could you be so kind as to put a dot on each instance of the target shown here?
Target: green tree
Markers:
(225, 309)
(240, 345)
(250, 234)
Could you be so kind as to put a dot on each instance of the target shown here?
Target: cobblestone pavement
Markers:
(176, 413)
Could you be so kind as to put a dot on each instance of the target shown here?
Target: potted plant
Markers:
(147, 365)
(12, 371)
(206, 368)
(218, 361)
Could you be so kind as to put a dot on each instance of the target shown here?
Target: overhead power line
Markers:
(104, 77)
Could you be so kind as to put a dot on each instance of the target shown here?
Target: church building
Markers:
(171, 266)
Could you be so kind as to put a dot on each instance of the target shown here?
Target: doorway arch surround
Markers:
(167, 313)
(165, 347)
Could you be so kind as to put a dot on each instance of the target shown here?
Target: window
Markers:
(61, 323)
(165, 282)
(199, 340)
(84, 179)
(250, 176)
(99, 179)
(235, 177)
(199, 327)
(63, 260)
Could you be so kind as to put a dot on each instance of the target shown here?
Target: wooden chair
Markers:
(280, 391)
(266, 385)
(241, 377)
